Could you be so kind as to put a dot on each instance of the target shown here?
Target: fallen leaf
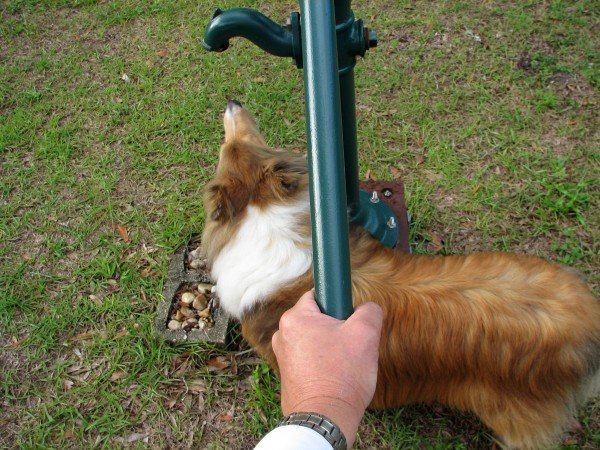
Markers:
(16, 342)
(431, 177)
(125, 78)
(187, 402)
(225, 418)
(133, 437)
(148, 272)
(436, 243)
(234, 366)
(162, 52)
(200, 404)
(196, 386)
(123, 233)
(420, 159)
(263, 416)
(181, 364)
(95, 299)
(82, 336)
(77, 368)
(259, 79)
(68, 435)
(118, 375)
(121, 334)
(396, 174)
(219, 362)
(368, 174)
(498, 170)
(250, 361)
(67, 384)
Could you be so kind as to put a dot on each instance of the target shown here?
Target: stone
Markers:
(187, 298)
(174, 325)
(204, 288)
(200, 302)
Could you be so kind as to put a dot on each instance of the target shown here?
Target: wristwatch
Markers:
(321, 424)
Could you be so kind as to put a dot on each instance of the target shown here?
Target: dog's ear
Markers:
(239, 125)
(224, 201)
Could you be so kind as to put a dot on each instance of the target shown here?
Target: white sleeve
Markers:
(293, 437)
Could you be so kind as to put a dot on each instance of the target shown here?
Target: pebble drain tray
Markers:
(182, 278)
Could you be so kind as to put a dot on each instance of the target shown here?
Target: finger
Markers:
(368, 313)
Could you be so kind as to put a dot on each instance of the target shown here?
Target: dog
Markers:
(512, 338)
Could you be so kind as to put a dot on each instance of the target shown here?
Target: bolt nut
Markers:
(387, 193)
(370, 38)
(391, 223)
(374, 197)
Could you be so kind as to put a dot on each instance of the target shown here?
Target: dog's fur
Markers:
(512, 338)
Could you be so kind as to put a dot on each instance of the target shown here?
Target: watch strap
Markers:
(321, 424)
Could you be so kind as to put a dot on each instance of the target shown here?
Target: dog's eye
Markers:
(216, 214)
(289, 185)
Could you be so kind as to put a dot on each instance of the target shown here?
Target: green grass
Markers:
(497, 142)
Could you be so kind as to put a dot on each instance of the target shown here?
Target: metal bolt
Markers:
(374, 197)
(387, 193)
(391, 223)
(370, 38)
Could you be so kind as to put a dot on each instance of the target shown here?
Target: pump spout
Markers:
(251, 25)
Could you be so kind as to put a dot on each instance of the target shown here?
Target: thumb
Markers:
(369, 314)
(307, 303)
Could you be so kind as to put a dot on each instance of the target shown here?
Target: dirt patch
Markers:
(575, 87)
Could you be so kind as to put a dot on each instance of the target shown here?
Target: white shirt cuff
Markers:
(293, 437)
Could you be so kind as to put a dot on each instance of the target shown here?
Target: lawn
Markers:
(110, 124)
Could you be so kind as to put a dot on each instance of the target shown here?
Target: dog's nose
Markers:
(233, 106)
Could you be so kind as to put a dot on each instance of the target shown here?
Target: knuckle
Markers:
(286, 321)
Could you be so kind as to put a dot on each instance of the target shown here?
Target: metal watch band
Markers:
(321, 424)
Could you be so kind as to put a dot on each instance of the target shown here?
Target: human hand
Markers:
(328, 366)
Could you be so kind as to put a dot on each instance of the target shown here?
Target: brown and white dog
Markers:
(512, 338)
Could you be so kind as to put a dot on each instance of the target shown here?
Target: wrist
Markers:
(346, 416)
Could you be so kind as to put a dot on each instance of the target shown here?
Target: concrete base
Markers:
(178, 275)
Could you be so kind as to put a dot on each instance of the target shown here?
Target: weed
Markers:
(569, 250)
(264, 411)
(544, 100)
(564, 197)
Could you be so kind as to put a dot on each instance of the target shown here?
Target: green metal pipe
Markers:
(343, 11)
(326, 39)
(331, 254)
(349, 136)
(250, 24)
